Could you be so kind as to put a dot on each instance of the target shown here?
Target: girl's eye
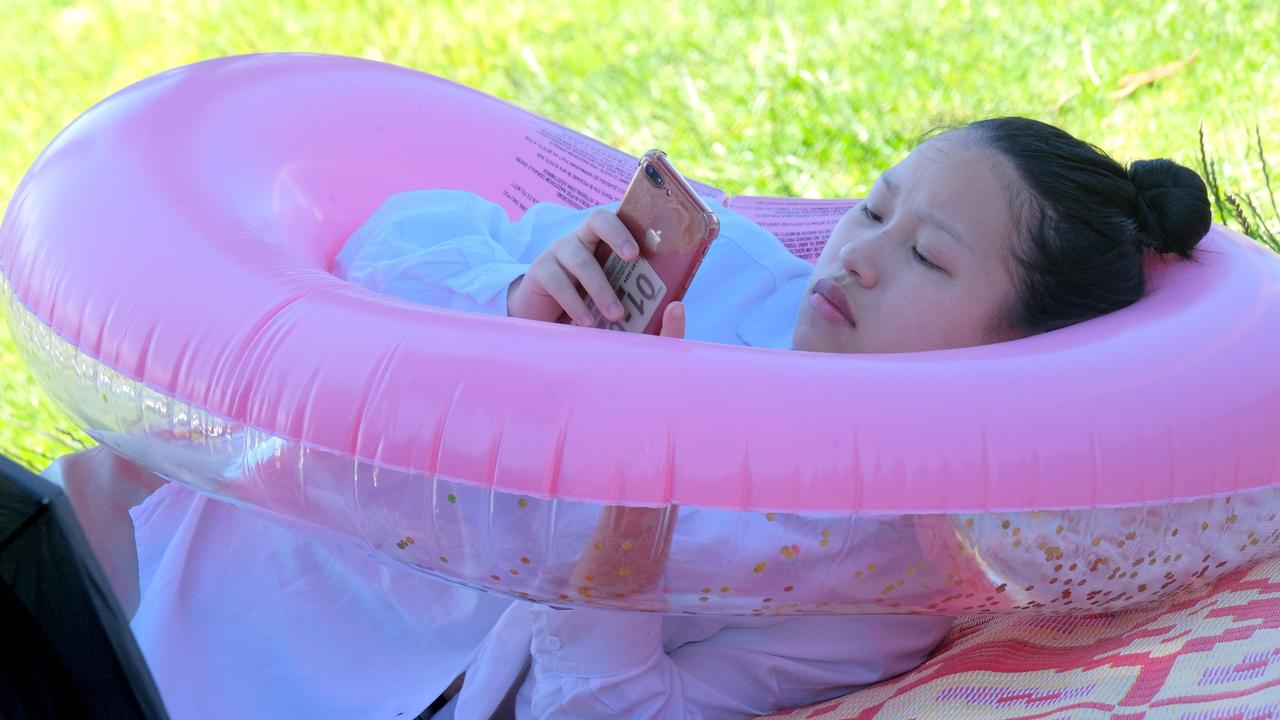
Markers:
(924, 259)
(866, 211)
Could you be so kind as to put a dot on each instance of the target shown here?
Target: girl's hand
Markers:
(550, 288)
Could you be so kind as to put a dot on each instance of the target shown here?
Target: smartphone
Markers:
(674, 229)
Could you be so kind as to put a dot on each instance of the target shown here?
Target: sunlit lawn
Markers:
(802, 98)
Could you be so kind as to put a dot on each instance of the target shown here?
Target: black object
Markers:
(652, 172)
(66, 650)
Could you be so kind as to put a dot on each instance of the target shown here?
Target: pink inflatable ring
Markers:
(166, 262)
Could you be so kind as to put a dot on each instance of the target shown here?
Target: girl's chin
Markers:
(815, 335)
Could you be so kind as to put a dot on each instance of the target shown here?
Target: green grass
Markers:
(790, 98)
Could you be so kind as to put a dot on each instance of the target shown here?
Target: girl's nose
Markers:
(857, 258)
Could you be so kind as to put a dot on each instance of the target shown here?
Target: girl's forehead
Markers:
(964, 183)
(953, 149)
(950, 169)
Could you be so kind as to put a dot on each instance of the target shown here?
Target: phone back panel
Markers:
(674, 229)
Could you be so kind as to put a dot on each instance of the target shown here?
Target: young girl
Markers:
(1002, 229)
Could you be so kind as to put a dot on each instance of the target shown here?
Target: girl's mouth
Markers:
(828, 301)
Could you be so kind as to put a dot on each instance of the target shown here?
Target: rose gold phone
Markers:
(673, 227)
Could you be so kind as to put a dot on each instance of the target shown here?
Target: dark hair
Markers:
(1085, 222)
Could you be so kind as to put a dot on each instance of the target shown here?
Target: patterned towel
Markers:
(1206, 653)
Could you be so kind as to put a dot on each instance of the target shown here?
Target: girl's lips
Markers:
(827, 293)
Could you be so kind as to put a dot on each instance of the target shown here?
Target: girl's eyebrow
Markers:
(930, 217)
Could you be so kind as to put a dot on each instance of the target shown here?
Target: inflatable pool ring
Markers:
(167, 274)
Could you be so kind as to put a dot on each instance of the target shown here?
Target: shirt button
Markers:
(552, 643)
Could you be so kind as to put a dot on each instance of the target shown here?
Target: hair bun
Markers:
(1173, 206)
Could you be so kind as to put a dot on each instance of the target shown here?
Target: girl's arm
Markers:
(453, 249)
(450, 249)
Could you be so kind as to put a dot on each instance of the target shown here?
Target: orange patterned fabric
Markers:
(1207, 653)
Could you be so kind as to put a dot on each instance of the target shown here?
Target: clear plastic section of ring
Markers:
(670, 559)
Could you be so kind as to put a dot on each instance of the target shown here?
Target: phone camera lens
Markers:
(652, 172)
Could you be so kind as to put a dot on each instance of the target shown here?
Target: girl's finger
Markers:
(561, 288)
(673, 320)
(580, 264)
(605, 225)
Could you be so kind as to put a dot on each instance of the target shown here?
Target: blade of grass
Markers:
(1264, 232)
(1233, 201)
(1266, 175)
(1211, 177)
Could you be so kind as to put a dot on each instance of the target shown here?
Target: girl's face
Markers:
(925, 263)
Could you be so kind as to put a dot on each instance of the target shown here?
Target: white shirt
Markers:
(244, 618)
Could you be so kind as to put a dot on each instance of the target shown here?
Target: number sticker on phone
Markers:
(638, 288)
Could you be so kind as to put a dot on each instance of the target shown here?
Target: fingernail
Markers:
(615, 311)
(633, 250)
